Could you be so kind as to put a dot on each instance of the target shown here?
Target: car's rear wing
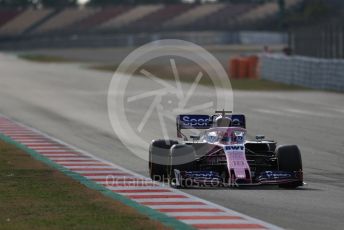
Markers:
(197, 121)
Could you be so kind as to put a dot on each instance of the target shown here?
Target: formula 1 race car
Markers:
(221, 155)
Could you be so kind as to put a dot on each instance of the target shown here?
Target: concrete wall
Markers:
(303, 71)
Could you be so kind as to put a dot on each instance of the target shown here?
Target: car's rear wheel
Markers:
(289, 159)
(159, 152)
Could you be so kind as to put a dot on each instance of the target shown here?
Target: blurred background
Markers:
(307, 35)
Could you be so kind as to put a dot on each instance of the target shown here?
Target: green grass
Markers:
(185, 73)
(34, 196)
(43, 58)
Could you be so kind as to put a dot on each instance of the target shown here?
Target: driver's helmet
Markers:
(236, 122)
(223, 121)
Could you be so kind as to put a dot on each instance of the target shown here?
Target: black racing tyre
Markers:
(182, 157)
(159, 151)
(289, 159)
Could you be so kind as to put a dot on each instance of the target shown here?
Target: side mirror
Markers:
(260, 137)
(195, 138)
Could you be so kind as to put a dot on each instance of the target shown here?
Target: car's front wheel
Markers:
(289, 160)
(159, 152)
(182, 158)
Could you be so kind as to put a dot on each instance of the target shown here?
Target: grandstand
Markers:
(64, 19)
(149, 22)
(136, 18)
(264, 11)
(223, 18)
(103, 15)
(132, 15)
(193, 15)
(7, 15)
(23, 21)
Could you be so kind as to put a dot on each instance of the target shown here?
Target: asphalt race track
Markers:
(70, 103)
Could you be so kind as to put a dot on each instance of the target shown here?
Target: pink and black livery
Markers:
(220, 155)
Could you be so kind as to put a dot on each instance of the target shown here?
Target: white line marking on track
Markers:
(66, 161)
(53, 150)
(177, 206)
(107, 172)
(199, 214)
(87, 167)
(161, 199)
(81, 163)
(205, 221)
(49, 148)
(115, 189)
(59, 158)
(110, 177)
(59, 155)
(148, 193)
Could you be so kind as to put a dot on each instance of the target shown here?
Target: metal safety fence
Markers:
(127, 40)
(313, 73)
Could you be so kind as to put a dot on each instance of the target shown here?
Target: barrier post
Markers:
(233, 68)
(252, 69)
(243, 68)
